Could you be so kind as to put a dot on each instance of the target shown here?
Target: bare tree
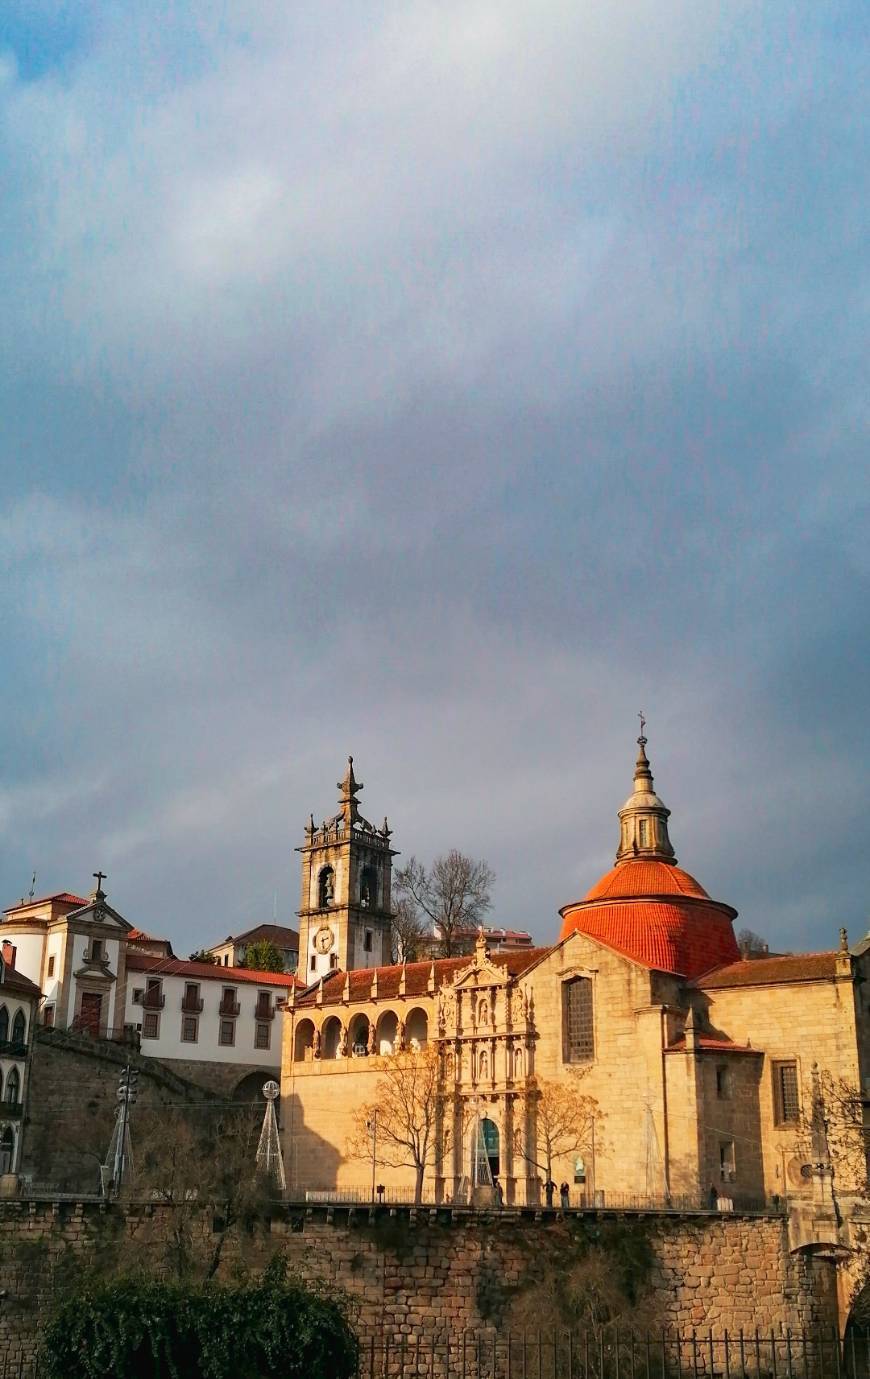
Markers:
(454, 895)
(750, 943)
(564, 1120)
(409, 934)
(405, 1108)
(202, 1161)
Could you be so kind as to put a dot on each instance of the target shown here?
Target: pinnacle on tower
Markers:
(350, 788)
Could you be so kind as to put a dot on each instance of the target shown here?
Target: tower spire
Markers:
(350, 788)
(644, 817)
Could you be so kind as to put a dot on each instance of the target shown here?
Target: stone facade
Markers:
(407, 1273)
(705, 1068)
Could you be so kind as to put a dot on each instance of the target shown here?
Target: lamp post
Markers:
(372, 1127)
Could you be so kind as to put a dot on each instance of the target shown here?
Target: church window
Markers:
(325, 888)
(4, 1024)
(51, 966)
(13, 1088)
(333, 961)
(312, 966)
(785, 1093)
(723, 1082)
(367, 941)
(7, 1150)
(189, 1029)
(151, 1025)
(578, 1034)
(96, 949)
(727, 1161)
(19, 1028)
(644, 832)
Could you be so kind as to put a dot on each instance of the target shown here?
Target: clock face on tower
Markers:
(324, 939)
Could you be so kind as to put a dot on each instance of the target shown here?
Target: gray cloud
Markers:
(438, 383)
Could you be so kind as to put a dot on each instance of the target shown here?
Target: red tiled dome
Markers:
(646, 877)
(686, 932)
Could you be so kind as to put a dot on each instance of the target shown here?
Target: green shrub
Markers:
(143, 1329)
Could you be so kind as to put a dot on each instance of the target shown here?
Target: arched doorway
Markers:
(485, 1152)
(250, 1089)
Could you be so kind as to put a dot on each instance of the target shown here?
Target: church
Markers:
(639, 1057)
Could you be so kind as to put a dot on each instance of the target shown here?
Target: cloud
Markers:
(437, 383)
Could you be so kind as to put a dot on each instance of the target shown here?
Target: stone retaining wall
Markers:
(432, 1271)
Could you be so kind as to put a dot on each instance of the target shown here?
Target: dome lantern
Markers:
(643, 819)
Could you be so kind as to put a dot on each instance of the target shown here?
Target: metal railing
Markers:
(13, 1048)
(613, 1353)
(577, 1201)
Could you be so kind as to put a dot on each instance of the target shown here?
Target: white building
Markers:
(103, 978)
(199, 1011)
(19, 1000)
(232, 951)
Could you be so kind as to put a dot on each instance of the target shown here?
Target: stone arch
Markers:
(331, 1038)
(417, 1028)
(387, 1033)
(4, 1024)
(19, 1027)
(325, 887)
(249, 1088)
(368, 888)
(303, 1041)
(359, 1035)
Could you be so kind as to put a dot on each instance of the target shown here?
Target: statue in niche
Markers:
(315, 1047)
(371, 1041)
(400, 1037)
(342, 1042)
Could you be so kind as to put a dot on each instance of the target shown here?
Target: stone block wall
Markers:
(72, 1101)
(406, 1272)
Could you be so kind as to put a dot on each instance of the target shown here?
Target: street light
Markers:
(371, 1125)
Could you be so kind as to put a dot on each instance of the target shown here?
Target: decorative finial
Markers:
(642, 739)
(844, 941)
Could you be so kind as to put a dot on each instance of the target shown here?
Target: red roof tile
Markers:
(64, 897)
(206, 971)
(640, 876)
(417, 976)
(16, 981)
(793, 967)
(685, 937)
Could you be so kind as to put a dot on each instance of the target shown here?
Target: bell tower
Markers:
(345, 915)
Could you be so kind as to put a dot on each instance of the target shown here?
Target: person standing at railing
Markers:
(564, 1195)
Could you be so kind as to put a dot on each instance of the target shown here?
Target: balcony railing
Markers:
(192, 1005)
(153, 1000)
(228, 1008)
(264, 1011)
(11, 1110)
(13, 1048)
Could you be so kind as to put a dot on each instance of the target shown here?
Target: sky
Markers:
(440, 383)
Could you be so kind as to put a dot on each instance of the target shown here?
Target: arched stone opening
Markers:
(325, 887)
(7, 1150)
(19, 1028)
(359, 1036)
(303, 1042)
(387, 1035)
(330, 1046)
(416, 1029)
(249, 1089)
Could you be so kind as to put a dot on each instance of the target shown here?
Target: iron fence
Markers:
(603, 1353)
(576, 1201)
(610, 1353)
